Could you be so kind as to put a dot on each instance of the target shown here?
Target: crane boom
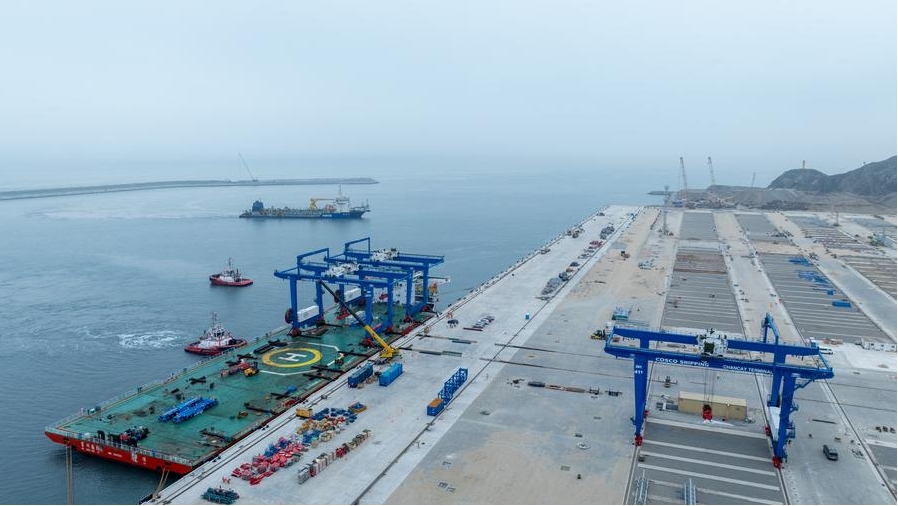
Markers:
(683, 174)
(245, 166)
(388, 351)
(711, 168)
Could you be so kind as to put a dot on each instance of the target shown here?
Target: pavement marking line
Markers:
(736, 496)
(706, 450)
(708, 476)
(657, 499)
(715, 464)
(703, 490)
(285, 373)
(706, 427)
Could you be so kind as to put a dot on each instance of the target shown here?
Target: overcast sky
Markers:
(758, 85)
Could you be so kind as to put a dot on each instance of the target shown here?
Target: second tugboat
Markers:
(215, 340)
(229, 276)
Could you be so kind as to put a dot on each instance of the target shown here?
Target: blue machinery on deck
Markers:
(786, 377)
(366, 269)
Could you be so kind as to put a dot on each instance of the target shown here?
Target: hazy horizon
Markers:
(131, 91)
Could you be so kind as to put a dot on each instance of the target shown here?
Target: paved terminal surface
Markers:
(727, 466)
(569, 438)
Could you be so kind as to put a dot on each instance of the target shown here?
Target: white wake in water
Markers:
(152, 340)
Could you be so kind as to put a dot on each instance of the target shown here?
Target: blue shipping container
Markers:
(360, 375)
(390, 374)
(435, 406)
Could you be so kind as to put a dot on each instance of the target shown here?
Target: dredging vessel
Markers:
(316, 347)
(338, 207)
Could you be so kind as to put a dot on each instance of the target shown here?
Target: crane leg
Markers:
(640, 379)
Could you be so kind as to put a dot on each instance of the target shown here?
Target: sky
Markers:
(620, 85)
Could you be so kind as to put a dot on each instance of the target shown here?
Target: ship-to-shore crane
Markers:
(787, 377)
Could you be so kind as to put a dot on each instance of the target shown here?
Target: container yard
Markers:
(511, 395)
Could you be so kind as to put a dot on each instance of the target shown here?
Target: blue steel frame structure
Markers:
(786, 377)
(402, 262)
(366, 273)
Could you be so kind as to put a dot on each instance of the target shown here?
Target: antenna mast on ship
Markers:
(245, 166)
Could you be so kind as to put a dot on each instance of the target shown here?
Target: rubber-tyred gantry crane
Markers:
(711, 353)
(367, 269)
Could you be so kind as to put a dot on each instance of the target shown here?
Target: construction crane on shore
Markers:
(245, 166)
(683, 187)
(713, 199)
(666, 199)
(683, 199)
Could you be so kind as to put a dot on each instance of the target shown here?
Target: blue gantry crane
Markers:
(711, 347)
(413, 265)
(368, 270)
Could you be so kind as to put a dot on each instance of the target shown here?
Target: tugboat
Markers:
(215, 340)
(229, 276)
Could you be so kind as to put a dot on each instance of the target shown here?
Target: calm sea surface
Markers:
(99, 293)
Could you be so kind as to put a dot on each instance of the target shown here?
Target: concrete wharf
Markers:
(543, 416)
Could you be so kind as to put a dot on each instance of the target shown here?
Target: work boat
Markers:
(215, 340)
(229, 276)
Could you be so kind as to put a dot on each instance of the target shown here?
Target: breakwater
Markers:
(156, 185)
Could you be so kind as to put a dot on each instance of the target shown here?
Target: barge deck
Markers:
(289, 369)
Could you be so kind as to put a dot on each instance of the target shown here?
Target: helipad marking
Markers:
(298, 357)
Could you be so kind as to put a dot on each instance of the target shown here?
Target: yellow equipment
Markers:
(313, 202)
(388, 351)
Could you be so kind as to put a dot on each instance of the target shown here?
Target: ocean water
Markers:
(101, 292)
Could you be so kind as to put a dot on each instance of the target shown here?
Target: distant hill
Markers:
(870, 189)
(876, 179)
